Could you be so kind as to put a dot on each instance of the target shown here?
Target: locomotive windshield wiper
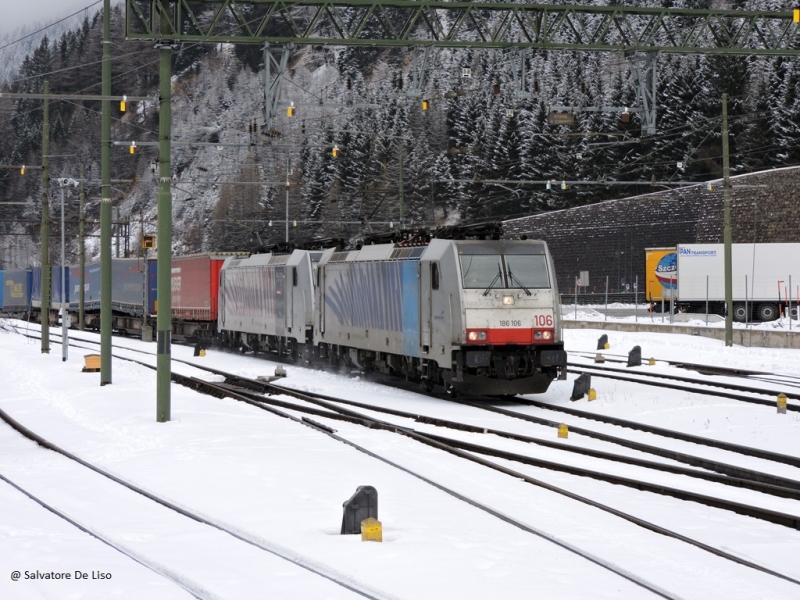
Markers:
(512, 279)
(496, 277)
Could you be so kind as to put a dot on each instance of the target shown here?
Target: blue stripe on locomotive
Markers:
(377, 295)
(410, 309)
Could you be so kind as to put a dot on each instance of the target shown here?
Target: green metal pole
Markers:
(105, 204)
(726, 199)
(45, 235)
(402, 203)
(82, 254)
(164, 252)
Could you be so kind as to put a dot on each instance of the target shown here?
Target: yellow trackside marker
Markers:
(371, 530)
(607, 346)
(782, 404)
(592, 394)
(797, 15)
(563, 430)
(652, 362)
(91, 363)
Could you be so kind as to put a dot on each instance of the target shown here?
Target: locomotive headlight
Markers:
(508, 300)
(476, 335)
(547, 334)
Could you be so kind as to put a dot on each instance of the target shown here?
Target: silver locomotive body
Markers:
(266, 302)
(478, 317)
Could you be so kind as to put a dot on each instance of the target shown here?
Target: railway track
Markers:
(704, 369)
(245, 389)
(192, 588)
(647, 379)
(338, 409)
(241, 389)
(219, 534)
(250, 391)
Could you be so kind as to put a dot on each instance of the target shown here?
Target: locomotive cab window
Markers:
(527, 271)
(510, 271)
(481, 271)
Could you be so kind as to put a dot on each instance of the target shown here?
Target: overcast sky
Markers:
(17, 13)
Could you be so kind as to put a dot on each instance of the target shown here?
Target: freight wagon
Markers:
(17, 289)
(129, 294)
(195, 293)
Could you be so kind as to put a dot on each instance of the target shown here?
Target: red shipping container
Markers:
(195, 286)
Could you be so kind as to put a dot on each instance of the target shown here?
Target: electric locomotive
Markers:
(474, 316)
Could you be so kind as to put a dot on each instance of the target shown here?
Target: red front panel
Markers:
(510, 336)
(192, 296)
(521, 336)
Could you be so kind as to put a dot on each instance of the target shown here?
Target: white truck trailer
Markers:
(765, 279)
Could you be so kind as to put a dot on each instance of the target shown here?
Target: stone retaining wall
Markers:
(609, 238)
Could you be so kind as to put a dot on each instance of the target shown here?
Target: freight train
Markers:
(469, 316)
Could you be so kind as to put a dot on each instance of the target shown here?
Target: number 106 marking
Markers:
(543, 320)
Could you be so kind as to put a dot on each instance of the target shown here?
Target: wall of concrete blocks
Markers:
(608, 239)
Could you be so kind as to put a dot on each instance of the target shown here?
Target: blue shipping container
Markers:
(36, 287)
(56, 288)
(127, 286)
(17, 290)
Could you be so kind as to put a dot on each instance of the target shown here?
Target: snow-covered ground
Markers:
(282, 485)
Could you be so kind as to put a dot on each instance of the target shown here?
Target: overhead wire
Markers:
(321, 118)
(46, 27)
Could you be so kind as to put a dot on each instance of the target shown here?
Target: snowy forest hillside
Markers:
(396, 162)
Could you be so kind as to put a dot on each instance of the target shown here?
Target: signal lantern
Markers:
(425, 105)
(132, 148)
(563, 185)
(626, 116)
(22, 170)
(335, 151)
(123, 105)
(496, 89)
(290, 110)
